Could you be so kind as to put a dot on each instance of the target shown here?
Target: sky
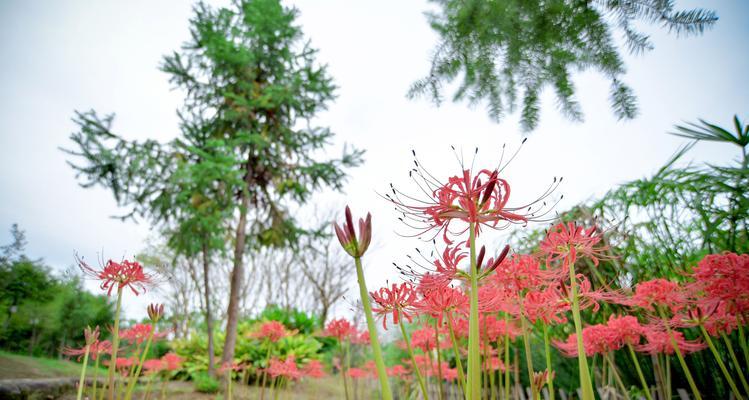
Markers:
(60, 56)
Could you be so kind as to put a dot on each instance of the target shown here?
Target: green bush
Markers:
(204, 383)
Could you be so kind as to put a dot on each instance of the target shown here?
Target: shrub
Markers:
(204, 383)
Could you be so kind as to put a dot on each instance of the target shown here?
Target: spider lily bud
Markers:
(480, 257)
(155, 312)
(347, 235)
(92, 335)
(499, 259)
(540, 379)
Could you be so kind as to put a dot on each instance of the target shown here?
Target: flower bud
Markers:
(155, 312)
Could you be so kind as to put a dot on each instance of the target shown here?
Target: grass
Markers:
(15, 366)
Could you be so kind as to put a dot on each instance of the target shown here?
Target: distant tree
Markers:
(248, 149)
(509, 51)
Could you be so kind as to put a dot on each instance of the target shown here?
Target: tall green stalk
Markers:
(439, 360)
(96, 376)
(735, 360)
(547, 349)
(528, 353)
(344, 350)
(136, 375)
(585, 383)
(742, 341)
(473, 389)
(722, 366)
(115, 345)
(643, 382)
(374, 341)
(419, 377)
(683, 363)
(507, 358)
(458, 362)
(82, 381)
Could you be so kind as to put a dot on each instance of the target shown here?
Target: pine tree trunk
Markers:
(237, 276)
(208, 314)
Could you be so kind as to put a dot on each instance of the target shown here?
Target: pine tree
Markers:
(508, 51)
(247, 150)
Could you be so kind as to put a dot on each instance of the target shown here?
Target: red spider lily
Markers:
(128, 274)
(123, 363)
(479, 199)
(659, 342)
(493, 328)
(547, 305)
(286, 368)
(232, 366)
(357, 373)
(361, 337)
(340, 328)
(426, 340)
(520, 272)
(443, 301)
(568, 240)
(138, 333)
(713, 316)
(398, 300)
(171, 361)
(96, 349)
(272, 331)
(597, 339)
(450, 374)
(624, 330)
(398, 371)
(153, 366)
(659, 293)
(314, 369)
(347, 235)
(724, 277)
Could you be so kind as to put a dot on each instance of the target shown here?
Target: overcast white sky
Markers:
(60, 56)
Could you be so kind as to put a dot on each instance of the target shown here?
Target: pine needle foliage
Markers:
(506, 52)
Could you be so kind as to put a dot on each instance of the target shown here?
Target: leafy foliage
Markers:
(507, 52)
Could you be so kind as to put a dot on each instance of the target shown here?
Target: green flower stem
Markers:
(612, 367)
(82, 381)
(265, 370)
(96, 377)
(683, 363)
(134, 378)
(585, 383)
(547, 349)
(458, 362)
(500, 388)
(742, 341)
(473, 389)
(507, 358)
(115, 346)
(374, 341)
(528, 353)
(722, 366)
(344, 350)
(643, 382)
(735, 360)
(439, 360)
(413, 362)
(147, 391)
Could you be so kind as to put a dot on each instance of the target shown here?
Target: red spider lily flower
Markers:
(314, 369)
(361, 337)
(95, 350)
(397, 371)
(473, 198)
(492, 328)
(340, 328)
(426, 340)
(286, 368)
(171, 361)
(624, 330)
(547, 305)
(541, 378)
(91, 335)
(138, 333)
(272, 331)
(659, 293)
(398, 301)
(597, 339)
(659, 342)
(155, 312)
(725, 277)
(122, 363)
(450, 374)
(230, 367)
(128, 274)
(520, 272)
(568, 240)
(443, 301)
(347, 235)
(357, 373)
(154, 366)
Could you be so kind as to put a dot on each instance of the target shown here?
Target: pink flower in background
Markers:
(658, 341)
(569, 240)
(314, 369)
(138, 333)
(171, 361)
(398, 301)
(624, 330)
(271, 330)
(127, 274)
(340, 328)
(659, 293)
(286, 368)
